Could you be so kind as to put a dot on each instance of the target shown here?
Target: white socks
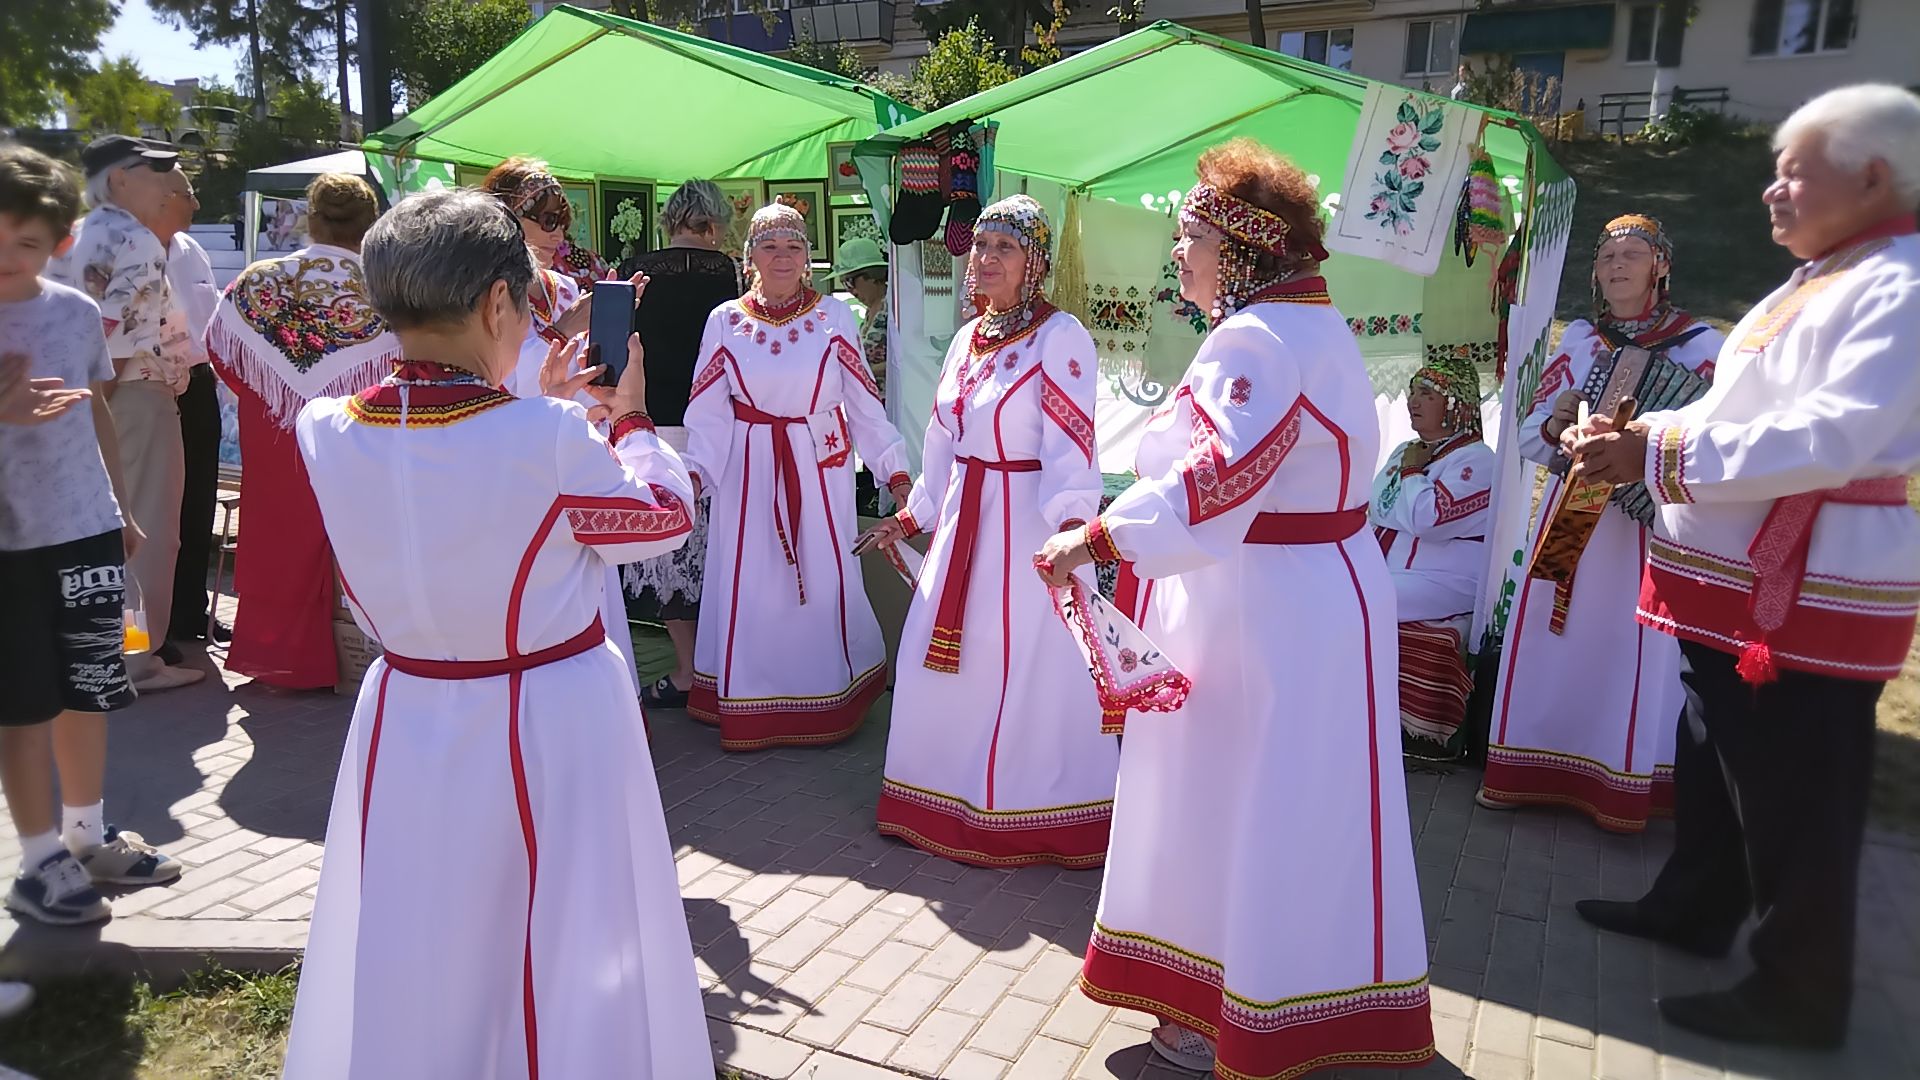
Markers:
(35, 850)
(83, 827)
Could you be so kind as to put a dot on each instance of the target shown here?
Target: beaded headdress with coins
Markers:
(1655, 234)
(1024, 219)
(1456, 379)
(1247, 233)
(776, 221)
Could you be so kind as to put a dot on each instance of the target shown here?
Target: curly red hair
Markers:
(1253, 173)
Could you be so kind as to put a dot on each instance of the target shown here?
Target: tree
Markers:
(278, 33)
(832, 57)
(118, 99)
(1004, 22)
(306, 115)
(48, 48)
(963, 62)
(436, 43)
(1046, 39)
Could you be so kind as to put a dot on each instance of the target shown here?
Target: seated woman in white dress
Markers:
(473, 530)
(1431, 505)
(1259, 895)
(787, 652)
(995, 756)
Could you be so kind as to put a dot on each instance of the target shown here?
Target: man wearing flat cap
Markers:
(119, 257)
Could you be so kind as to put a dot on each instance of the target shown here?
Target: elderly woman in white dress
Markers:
(995, 756)
(788, 652)
(473, 530)
(1260, 896)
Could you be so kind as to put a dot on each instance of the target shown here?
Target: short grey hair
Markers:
(98, 193)
(1861, 124)
(433, 257)
(693, 204)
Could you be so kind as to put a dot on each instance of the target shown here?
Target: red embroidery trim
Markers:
(785, 313)
(715, 370)
(1448, 509)
(1213, 485)
(1100, 542)
(628, 423)
(850, 359)
(1062, 410)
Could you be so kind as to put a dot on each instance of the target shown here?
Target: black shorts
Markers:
(61, 632)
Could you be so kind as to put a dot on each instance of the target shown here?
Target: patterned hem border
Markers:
(1670, 466)
(1385, 1025)
(1823, 640)
(1071, 836)
(1617, 802)
(762, 723)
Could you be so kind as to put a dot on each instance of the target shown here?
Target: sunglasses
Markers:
(551, 220)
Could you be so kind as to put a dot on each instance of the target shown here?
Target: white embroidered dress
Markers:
(995, 755)
(498, 900)
(788, 651)
(1260, 883)
(1587, 718)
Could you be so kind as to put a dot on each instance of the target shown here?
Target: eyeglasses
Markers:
(551, 220)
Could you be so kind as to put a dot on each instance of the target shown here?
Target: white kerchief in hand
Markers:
(1130, 672)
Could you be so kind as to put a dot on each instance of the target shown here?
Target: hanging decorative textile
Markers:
(1070, 266)
(1481, 225)
(1408, 159)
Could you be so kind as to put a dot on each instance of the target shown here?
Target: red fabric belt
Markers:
(786, 495)
(943, 649)
(1287, 529)
(1779, 558)
(459, 670)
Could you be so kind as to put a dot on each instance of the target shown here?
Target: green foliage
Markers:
(46, 48)
(436, 43)
(305, 113)
(1046, 44)
(833, 57)
(1003, 22)
(1685, 126)
(962, 63)
(119, 99)
(213, 92)
(280, 35)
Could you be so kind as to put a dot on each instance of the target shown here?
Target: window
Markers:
(1430, 47)
(1643, 33)
(1333, 48)
(1801, 27)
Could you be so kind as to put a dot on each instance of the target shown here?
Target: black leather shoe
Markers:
(222, 633)
(1733, 1016)
(1632, 918)
(169, 653)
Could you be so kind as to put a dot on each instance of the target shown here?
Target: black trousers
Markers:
(1770, 810)
(200, 437)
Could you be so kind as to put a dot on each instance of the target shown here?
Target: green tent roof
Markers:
(598, 95)
(1129, 118)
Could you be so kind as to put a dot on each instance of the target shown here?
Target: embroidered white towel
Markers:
(1402, 187)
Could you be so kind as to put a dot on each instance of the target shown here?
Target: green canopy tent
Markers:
(602, 97)
(1120, 127)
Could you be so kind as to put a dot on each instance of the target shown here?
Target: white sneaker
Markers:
(1480, 796)
(14, 999)
(1183, 1047)
(168, 677)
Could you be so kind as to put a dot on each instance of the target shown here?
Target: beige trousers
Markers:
(153, 467)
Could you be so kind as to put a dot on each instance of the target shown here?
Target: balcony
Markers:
(860, 22)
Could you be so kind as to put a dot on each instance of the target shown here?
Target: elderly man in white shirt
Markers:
(119, 258)
(196, 294)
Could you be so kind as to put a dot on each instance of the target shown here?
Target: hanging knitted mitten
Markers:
(916, 210)
(963, 201)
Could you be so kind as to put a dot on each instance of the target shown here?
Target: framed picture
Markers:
(586, 222)
(469, 176)
(745, 196)
(627, 212)
(842, 177)
(852, 221)
(810, 198)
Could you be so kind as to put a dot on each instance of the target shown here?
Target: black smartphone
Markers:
(607, 331)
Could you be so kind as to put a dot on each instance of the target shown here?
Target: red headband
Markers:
(1258, 228)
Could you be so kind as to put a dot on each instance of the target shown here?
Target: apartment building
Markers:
(1768, 55)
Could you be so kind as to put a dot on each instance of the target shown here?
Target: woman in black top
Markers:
(687, 279)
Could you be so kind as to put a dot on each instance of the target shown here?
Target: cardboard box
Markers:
(355, 653)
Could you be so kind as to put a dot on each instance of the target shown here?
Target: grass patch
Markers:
(219, 1025)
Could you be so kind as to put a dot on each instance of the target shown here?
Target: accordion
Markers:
(1654, 382)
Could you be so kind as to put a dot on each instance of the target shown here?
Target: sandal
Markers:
(1183, 1047)
(663, 695)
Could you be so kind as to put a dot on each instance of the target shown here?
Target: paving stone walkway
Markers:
(827, 952)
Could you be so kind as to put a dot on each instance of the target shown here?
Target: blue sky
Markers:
(166, 53)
